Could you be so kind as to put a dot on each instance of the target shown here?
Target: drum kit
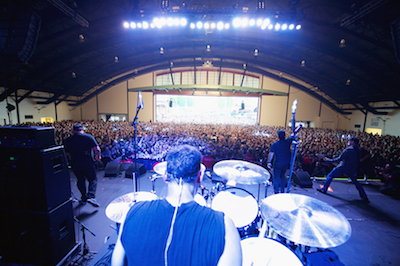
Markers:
(292, 224)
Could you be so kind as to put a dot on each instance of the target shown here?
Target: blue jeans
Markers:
(279, 178)
(86, 173)
(337, 172)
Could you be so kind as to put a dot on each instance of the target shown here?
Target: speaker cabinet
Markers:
(36, 238)
(302, 178)
(113, 169)
(131, 170)
(33, 179)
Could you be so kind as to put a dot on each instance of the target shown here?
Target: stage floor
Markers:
(375, 227)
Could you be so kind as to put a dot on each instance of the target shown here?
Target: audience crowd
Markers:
(221, 142)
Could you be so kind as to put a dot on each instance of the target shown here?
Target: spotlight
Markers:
(284, 26)
(192, 25)
(255, 52)
(303, 63)
(145, 25)
(163, 22)
(161, 50)
(342, 43)
(170, 22)
(176, 22)
(277, 26)
(291, 26)
(157, 22)
(220, 25)
(206, 25)
(244, 22)
(199, 25)
(252, 22)
(259, 22)
(126, 25)
(208, 48)
(298, 27)
(213, 25)
(236, 23)
(227, 26)
(270, 26)
(139, 25)
(133, 25)
(183, 22)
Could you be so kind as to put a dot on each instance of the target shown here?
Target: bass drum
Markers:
(241, 207)
(257, 251)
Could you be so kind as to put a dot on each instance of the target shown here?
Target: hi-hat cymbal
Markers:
(160, 168)
(305, 220)
(242, 172)
(118, 209)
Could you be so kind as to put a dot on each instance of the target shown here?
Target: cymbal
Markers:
(118, 209)
(242, 172)
(160, 168)
(305, 220)
(259, 251)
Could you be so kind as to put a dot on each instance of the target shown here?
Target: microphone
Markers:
(294, 106)
(140, 100)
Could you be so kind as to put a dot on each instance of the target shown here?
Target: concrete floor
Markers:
(375, 237)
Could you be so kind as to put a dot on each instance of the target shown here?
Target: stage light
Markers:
(208, 48)
(176, 22)
(298, 27)
(270, 26)
(183, 22)
(133, 25)
(266, 22)
(192, 25)
(277, 26)
(152, 25)
(157, 22)
(163, 22)
(291, 26)
(199, 25)
(170, 22)
(244, 22)
(145, 25)
(139, 25)
(206, 25)
(252, 22)
(220, 25)
(213, 25)
(284, 26)
(259, 22)
(227, 26)
(236, 23)
(126, 25)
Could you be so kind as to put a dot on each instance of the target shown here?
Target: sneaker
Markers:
(321, 190)
(94, 202)
(81, 202)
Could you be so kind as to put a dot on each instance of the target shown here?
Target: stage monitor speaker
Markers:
(33, 179)
(113, 169)
(131, 169)
(36, 238)
(302, 178)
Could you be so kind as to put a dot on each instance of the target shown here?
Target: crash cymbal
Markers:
(264, 251)
(305, 220)
(242, 172)
(118, 209)
(160, 168)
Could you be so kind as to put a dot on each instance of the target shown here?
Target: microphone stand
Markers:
(134, 123)
(83, 228)
(294, 144)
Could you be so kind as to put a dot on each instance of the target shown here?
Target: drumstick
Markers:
(263, 230)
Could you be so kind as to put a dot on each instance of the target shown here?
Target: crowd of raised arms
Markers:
(247, 142)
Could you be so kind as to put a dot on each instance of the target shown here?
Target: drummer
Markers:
(176, 230)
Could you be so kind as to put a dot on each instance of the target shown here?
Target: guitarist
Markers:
(348, 163)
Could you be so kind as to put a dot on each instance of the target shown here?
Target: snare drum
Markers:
(241, 207)
(259, 251)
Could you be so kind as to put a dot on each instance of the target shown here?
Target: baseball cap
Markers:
(78, 127)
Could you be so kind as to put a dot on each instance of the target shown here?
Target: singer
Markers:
(176, 230)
